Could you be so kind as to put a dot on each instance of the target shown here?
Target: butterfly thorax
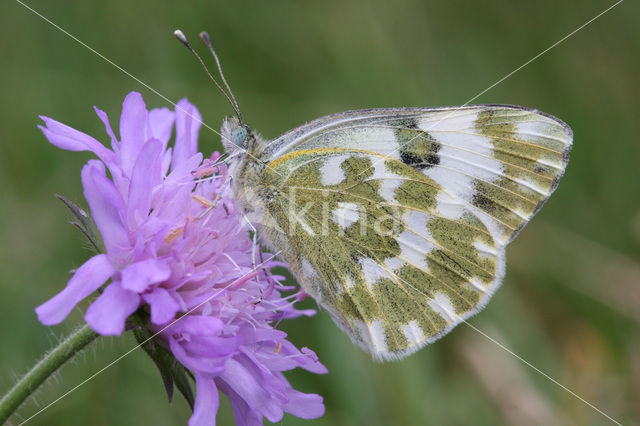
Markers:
(244, 147)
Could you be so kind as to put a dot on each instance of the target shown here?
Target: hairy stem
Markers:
(40, 372)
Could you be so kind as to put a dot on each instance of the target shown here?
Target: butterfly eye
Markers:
(239, 135)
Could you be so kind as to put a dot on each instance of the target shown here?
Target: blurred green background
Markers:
(570, 303)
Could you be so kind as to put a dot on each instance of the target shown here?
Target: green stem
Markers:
(53, 360)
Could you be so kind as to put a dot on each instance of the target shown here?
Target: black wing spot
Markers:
(405, 123)
(417, 148)
(432, 159)
(410, 159)
(420, 153)
(484, 203)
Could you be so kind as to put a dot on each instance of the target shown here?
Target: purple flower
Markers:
(163, 254)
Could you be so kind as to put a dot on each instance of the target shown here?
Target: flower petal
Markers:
(68, 138)
(287, 357)
(188, 122)
(213, 346)
(144, 177)
(133, 121)
(195, 342)
(212, 364)
(304, 405)
(198, 325)
(107, 127)
(139, 276)
(207, 402)
(107, 209)
(108, 313)
(250, 388)
(161, 124)
(181, 173)
(245, 415)
(87, 279)
(166, 161)
(163, 306)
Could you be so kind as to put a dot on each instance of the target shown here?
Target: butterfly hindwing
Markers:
(365, 239)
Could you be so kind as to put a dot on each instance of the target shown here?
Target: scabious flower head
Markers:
(192, 272)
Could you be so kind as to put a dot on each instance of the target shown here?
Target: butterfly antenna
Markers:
(207, 40)
(181, 37)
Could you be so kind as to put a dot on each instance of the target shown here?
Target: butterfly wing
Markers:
(395, 221)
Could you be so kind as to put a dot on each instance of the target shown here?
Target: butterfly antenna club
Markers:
(183, 39)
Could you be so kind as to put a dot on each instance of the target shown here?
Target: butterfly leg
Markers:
(254, 248)
(214, 204)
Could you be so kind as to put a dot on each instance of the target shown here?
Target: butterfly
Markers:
(396, 220)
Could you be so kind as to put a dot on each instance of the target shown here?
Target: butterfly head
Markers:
(235, 135)
(239, 135)
(238, 139)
